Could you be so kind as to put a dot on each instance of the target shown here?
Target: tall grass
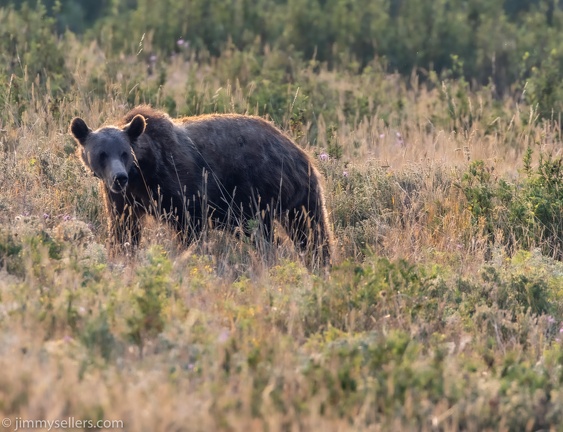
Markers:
(442, 313)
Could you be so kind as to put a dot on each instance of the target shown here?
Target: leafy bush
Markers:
(526, 214)
(359, 295)
(31, 55)
(149, 297)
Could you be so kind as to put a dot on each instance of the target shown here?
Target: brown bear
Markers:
(223, 170)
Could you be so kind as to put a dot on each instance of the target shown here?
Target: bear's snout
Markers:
(120, 181)
(117, 177)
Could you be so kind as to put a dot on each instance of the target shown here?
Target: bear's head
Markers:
(108, 152)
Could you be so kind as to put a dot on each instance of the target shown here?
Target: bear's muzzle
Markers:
(120, 182)
(119, 177)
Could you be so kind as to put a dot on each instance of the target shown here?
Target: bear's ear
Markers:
(136, 127)
(79, 130)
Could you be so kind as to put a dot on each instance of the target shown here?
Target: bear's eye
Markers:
(124, 156)
(103, 156)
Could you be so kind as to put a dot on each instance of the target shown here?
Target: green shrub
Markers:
(359, 295)
(150, 297)
(97, 336)
(525, 214)
(10, 254)
(31, 55)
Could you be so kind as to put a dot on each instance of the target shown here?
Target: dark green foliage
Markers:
(526, 214)
(154, 287)
(509, 289)
(479, 191)
(30, 52)
(460, 39)
(383, 366)
(10, 254)
(357, 294)
(506, 44)
(43, 242)
(97, 336)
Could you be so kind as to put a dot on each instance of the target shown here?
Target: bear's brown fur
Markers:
(222, 169)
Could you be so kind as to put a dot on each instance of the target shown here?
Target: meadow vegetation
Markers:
(444, 310)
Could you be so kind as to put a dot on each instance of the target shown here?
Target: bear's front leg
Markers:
(124, 220)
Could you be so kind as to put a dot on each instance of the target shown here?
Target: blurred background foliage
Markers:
(515, 46)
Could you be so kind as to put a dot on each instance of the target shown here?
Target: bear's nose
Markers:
(121, 179)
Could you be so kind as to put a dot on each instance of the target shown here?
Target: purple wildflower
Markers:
(223, 336)
(324, 157)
